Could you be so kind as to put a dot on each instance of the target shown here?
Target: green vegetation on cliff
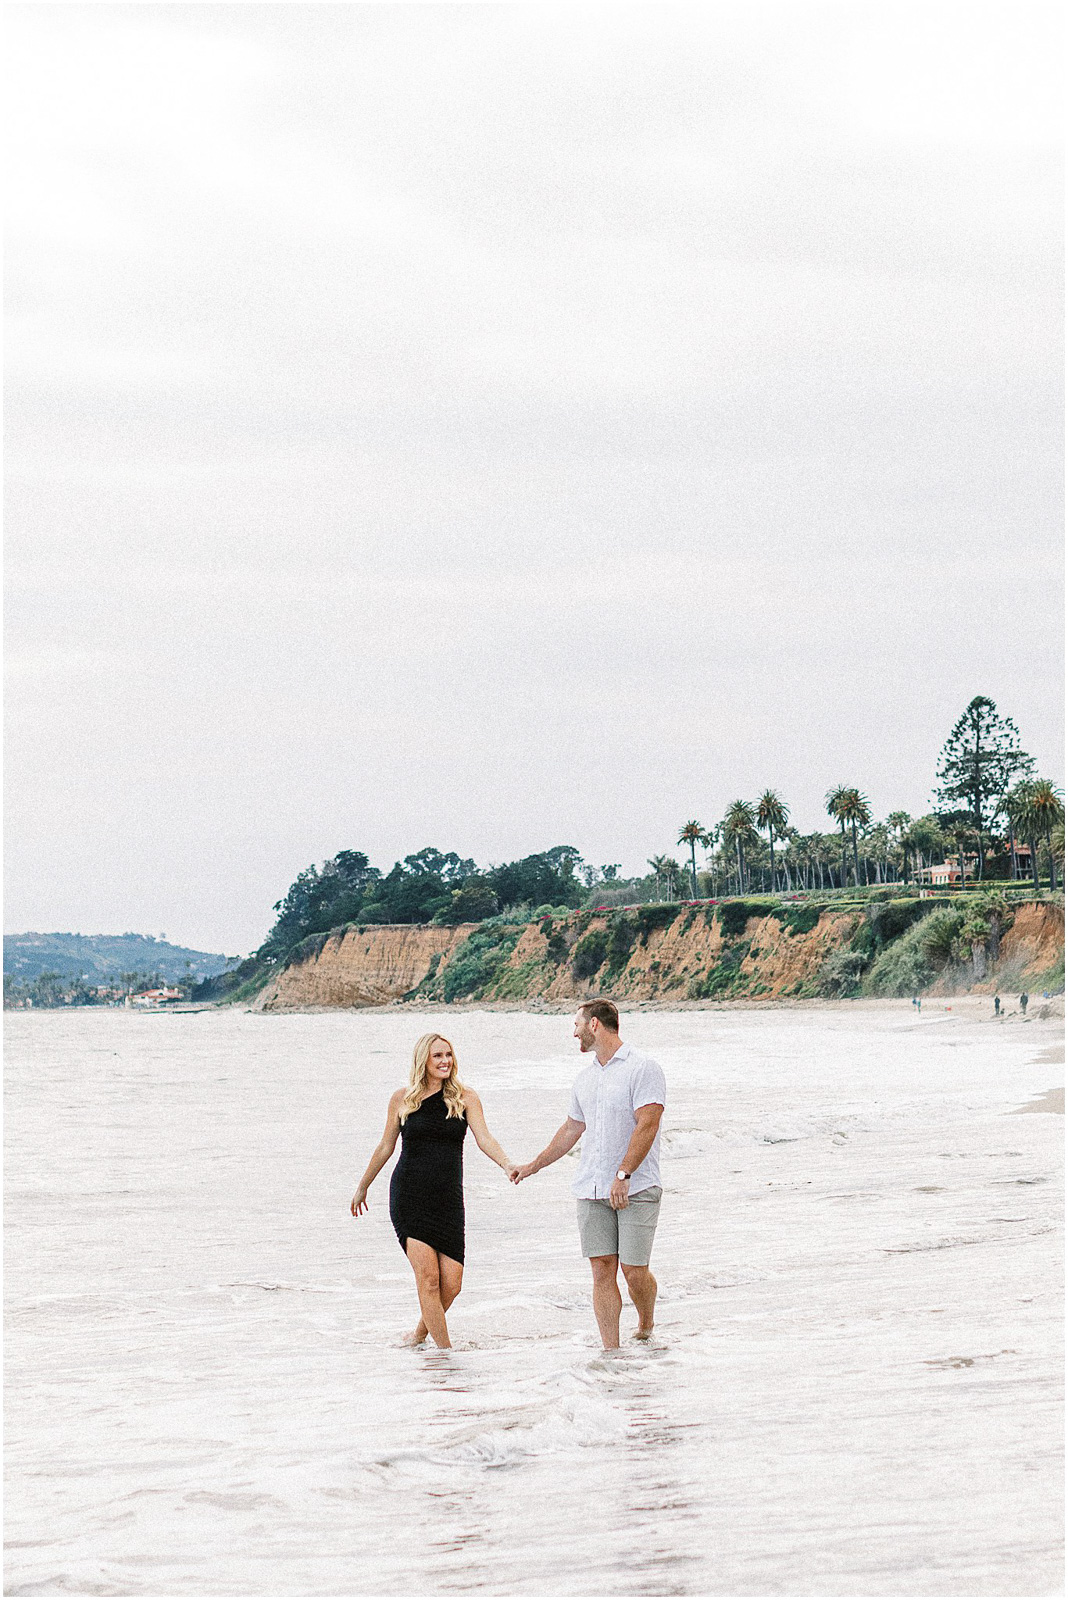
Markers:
(879, 945)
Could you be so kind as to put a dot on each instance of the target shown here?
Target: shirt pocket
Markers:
(617, 1099)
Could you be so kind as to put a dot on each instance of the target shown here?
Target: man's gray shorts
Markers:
(627, 1234)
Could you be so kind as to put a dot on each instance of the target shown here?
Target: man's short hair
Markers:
(604, 1011)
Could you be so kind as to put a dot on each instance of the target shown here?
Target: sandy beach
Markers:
(855, 1387)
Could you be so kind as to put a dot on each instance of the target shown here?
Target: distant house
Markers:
(946, 874)
(149, 999)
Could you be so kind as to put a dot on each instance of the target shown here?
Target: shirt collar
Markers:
(621, 1055)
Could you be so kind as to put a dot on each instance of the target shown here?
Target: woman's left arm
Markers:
(476, 1121)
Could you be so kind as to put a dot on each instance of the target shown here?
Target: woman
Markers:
(426, 1192)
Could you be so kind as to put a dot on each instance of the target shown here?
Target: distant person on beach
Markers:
(1023, 1003)
(426, 1192)
(616, 1106)
(997, 1005)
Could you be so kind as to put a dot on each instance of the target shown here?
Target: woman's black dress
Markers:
(426, 1192)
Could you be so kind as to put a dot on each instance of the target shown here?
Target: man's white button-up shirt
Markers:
(605, 1099)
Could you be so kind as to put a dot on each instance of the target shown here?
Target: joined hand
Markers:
(525, 1171)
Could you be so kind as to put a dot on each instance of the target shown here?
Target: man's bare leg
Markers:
(641, 1286)
(607, 1300)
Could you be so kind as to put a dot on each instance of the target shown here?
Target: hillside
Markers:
(101, 956)
(670, 953)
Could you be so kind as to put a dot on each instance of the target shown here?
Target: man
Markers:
(617, 1103)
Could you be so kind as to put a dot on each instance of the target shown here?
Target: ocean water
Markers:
(854, 1386)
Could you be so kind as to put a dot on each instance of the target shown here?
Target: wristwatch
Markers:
(624, 1177)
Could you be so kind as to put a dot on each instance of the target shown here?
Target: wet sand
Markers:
(855, 1385)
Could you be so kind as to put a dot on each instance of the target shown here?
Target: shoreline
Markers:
(964, 1005)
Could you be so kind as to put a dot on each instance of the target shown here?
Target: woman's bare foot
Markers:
(416, 1337)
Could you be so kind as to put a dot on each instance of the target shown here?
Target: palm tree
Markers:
(820, 846)
(692, 834)
(1023, 821)
(858, 815)
(1047, 808)
(710, 841)
(924, 838)
(835, 801)
(850, 806)
(877, 843)
(659, 865)
(1005, 810)
(900, 822)
(674, 876)
(739, 825)
(773, 814)
(793, 859)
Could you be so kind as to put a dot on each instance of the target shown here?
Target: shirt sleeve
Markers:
(575, 1110)
(650, 1086)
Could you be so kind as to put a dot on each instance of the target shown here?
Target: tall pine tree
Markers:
(980, 761)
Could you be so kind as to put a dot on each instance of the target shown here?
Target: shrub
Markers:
(308, 948)
(622, 937)
(512, 982)
(654, 916)
(841, 973)
(892, 917)
(937, 936)
(478, 960)
(799, 918)
(590, 953)
(913, 961)
(901, 969)
(724, 976)
(734, 914)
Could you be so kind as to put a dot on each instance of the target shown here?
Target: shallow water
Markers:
(854, 1388)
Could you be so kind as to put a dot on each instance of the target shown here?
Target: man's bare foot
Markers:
(644, 1333)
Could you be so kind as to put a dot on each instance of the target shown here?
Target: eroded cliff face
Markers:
(657, 954)
(678, 961)
(364, 967)
(1029, 949)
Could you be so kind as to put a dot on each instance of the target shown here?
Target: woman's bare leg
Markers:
(428, 1285)
(450, 1282)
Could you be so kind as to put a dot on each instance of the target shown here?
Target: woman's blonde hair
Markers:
(452, 1090)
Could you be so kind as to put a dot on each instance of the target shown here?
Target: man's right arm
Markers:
(564, 1139)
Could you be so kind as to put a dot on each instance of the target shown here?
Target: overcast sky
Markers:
(502, 426)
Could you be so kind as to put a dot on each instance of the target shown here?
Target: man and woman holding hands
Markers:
(617, 1102)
